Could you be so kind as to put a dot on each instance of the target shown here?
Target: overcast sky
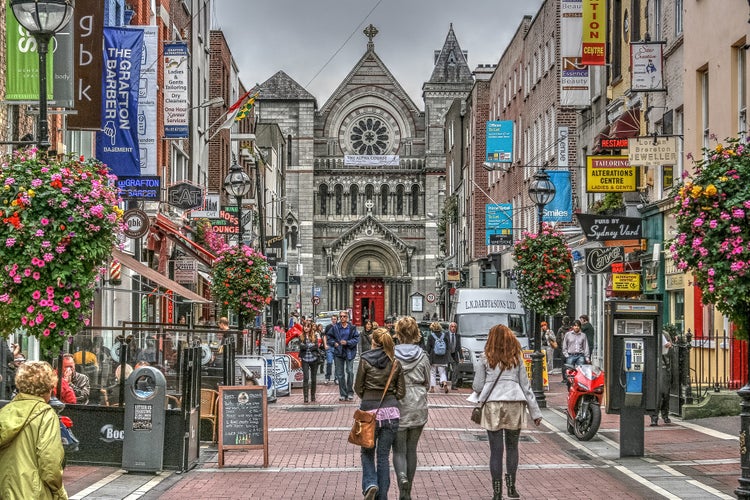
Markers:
(300, 36)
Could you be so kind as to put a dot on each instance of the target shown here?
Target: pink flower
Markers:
(36, 295)
(65, 314)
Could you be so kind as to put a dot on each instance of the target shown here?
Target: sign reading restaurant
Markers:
(609, 174)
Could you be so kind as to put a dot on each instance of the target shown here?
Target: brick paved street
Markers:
(310, 459)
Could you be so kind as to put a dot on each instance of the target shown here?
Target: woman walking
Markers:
(31, 451)
(309, 354)
(416, 366)
(500, 379)
(440, 356)
(380, 385)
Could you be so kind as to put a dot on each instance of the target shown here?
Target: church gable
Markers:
(451, 65)
(282, 87)
(370, 228)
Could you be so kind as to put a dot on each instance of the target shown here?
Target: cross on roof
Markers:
(370, 33)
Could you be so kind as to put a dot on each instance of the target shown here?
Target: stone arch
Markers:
(389, 262)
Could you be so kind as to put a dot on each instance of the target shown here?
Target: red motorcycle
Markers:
(585, 392)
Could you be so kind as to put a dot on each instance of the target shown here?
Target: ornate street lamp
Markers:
(541, 192)
(237, 183)
(42, 19)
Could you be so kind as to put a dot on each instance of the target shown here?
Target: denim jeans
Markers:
(405, 451)
(346, 384)
(380, 474)
(309, 378)
(575, 359)
(329, 363)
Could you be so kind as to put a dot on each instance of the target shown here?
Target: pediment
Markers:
(369, 228)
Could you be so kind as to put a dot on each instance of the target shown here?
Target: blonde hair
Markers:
(436, 326)
(382, 338)
(36, 378)
(408, 330)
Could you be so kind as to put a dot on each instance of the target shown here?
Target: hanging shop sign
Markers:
(652, 151)
(599, 260)
(606, 228)
(609, 174)
(137, 223)
(185, 196)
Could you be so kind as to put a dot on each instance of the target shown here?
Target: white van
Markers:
(476, 310)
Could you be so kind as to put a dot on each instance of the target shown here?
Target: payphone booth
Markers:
(632, 334)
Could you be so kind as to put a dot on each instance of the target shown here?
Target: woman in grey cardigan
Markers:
(416, 366)
(504, 415)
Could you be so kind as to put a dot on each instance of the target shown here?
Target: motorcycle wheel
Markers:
(586, 429)
(571, 429)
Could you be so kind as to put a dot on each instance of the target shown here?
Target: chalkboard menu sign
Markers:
(243, 420)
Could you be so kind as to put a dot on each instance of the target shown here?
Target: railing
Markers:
(718, 362)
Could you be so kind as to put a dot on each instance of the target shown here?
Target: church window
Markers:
(384, 194)
(338, 195)
(353, 195)
(369, 192)
(370, 136)
(323, 198)
(400, 199)
(415, 199)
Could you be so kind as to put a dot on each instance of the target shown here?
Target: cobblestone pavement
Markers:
(310, 459)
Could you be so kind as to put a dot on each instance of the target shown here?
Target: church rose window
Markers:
(370, 136)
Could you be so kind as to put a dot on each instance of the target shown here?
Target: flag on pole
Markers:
(235, 109)
(245, 111)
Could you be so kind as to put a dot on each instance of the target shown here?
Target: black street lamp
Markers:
(237, 183)
(42, 19)
(541, 192)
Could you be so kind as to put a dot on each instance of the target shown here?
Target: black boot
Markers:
(510, 481)
(497, 489)
(304, 391)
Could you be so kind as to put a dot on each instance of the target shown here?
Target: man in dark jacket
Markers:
(588, 329)
(456, 353)
(344, 338)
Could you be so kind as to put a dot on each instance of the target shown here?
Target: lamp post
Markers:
(237, 183)
(42, 19)
(541, 192)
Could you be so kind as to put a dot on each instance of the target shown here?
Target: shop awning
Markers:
(627, 124)
(172, 231)
(161, 280)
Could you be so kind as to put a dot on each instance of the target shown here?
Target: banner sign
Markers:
(372, 160)
(626, 282)
(88, 19)
(117, 142)
(574, 74)
(147, 100)
(606, 228)
(647, 63)
(61, 50)
(599, 260)
(499, 143)
(145, 187)
(560, 209)
(176, 115)
(563, 147)
(652, 151)
(22, 66)
(498, 223)
(594, 32)
(609, 174)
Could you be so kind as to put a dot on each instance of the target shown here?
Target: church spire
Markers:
(370, 33)
(451, 64)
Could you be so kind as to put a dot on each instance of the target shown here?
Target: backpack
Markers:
(440, 347)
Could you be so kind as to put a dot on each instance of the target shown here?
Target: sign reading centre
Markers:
(609, 174)
(500, 141)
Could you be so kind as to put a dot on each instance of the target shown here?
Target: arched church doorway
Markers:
(369, 301)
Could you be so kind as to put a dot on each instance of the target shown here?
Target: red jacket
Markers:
(67, 395)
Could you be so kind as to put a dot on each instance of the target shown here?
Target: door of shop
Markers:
(369, 299)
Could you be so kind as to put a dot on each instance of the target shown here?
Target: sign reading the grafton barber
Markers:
(599, 260)
(605, 228)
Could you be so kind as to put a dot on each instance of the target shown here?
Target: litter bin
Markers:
(145, 415)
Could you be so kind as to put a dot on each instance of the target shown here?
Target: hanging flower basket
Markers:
(543, 271)
(60, 220)
(713, 229)
(242, 281)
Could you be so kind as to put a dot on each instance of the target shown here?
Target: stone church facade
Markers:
(365, 184)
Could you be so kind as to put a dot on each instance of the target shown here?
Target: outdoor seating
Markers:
(209, 409)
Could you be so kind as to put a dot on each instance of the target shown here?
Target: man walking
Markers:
(456, 353)
(344, 338)
(588, 329)
(329, 350)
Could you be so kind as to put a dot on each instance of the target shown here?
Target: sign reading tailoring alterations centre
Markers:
(609, 174)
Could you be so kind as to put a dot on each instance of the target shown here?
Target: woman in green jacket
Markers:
(31, 452)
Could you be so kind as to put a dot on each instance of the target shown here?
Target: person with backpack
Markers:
(439, 352)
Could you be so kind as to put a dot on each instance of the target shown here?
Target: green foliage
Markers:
(60, 220)
(713, 229)
(543, 271)
(242, 282)
(610, 203)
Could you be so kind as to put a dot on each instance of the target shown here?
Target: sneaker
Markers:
(371, 493)
(654, 422)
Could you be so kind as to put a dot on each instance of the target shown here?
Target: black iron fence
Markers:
(718, 362)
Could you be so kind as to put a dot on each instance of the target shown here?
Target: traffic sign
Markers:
(316, 300)
(430, 298)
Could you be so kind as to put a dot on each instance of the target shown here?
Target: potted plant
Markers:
(60, 220)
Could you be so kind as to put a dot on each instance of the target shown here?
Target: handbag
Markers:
(476, 412)
(363, 429)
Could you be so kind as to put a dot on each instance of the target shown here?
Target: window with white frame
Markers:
(741, 73)
(657, 34)
(705, 108)
(677, 17)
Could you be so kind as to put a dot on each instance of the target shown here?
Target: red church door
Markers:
(369, 301)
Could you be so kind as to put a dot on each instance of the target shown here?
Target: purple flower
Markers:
(9, 242)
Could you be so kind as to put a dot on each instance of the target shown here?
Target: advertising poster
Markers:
(498, 223)
(117, 142)
(499, 142)
(560, 209)
(609, 174)
(22, 82)
(574, 74)
(176, 115)
(646, 61)
(594, 33)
